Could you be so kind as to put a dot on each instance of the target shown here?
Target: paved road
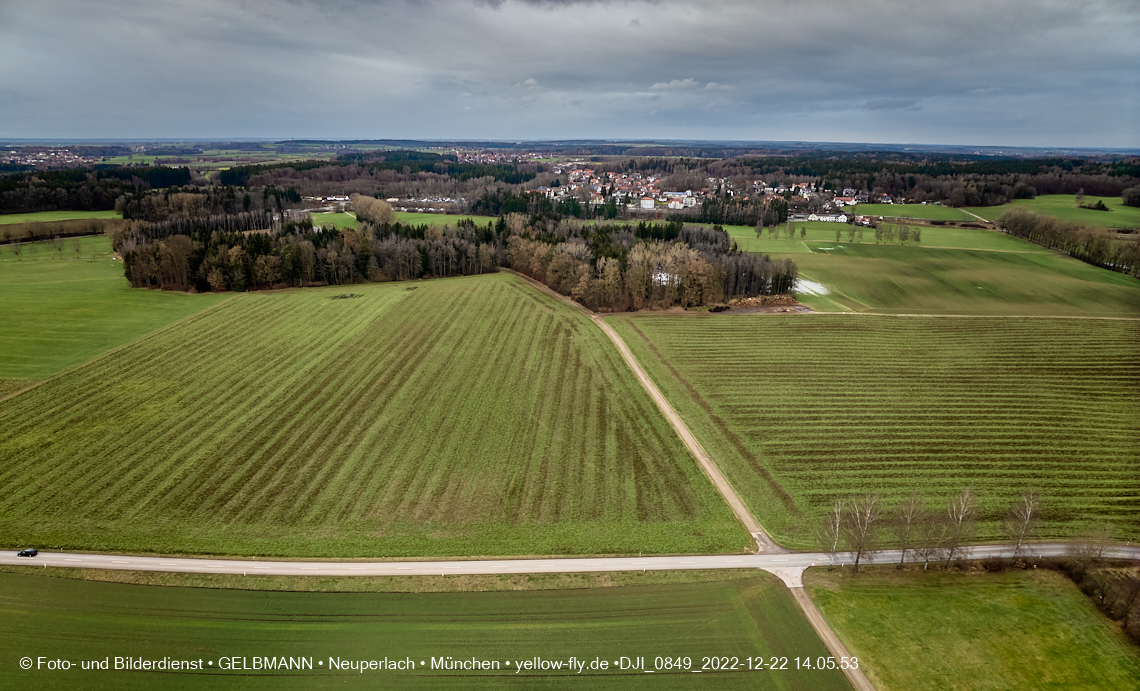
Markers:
(780, 564)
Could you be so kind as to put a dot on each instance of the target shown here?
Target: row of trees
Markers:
(1087, 244)
(861, 524)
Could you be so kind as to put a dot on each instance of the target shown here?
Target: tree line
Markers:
(1087, 244)
(613, 266)
(80, 189)
(927, 534)
(199, 202)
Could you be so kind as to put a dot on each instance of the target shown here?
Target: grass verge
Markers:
(937, 630)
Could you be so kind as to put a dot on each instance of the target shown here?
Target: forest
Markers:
(82, 189)
(608, 267)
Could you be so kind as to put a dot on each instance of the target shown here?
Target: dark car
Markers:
(27, 552)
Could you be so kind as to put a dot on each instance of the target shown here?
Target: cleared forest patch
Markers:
(450, 417)
(799, 410)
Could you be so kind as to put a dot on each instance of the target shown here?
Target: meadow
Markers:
(59, 313)
(927, 211)
(800, 410)
(77, 620)
(1064, 207)
(908, 279)
(823, 235)
(936, 630)
(414, 218)
(46, 216)
(471, 416)
(340, 221)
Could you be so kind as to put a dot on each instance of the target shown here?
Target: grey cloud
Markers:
(891, 104)
(773, 69)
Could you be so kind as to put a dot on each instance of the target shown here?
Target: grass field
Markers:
(44, 216)
(341, 221)
(59, 313)
(823, 235)
(799, 410)
(1064, 207)
(448, 417)
(440, 219)
(927, 211)
(893, 279)
(945, 631)
(76, 620)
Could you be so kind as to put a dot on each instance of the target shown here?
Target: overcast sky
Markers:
(992, 72)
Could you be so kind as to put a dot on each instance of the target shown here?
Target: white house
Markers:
(647, 203)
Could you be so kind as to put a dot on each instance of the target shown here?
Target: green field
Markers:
(927, 211)
(801, 409)
(44, 216)
(59, 313)
(823, 235)
(943, 631)
(894, 279)
(416, 219)
(340, 221)
(77, 620)
(1064, 207)
(449, 417)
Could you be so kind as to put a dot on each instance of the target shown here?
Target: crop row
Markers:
(467, 416)
(801, 410)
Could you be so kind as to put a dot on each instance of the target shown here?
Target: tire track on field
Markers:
(735, 503)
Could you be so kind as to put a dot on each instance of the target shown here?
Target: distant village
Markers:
(639, 192)
(46, 158)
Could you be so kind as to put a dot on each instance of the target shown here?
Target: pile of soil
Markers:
(763, 300)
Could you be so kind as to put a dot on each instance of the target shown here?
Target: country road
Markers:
(789, 566)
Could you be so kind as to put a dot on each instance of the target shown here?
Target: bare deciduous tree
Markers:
(16, 249)
(862, 525)
(1089, 546)
(1022, 519)
(831, 529)
(961, 511)
(908, 514)
(932, 538)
